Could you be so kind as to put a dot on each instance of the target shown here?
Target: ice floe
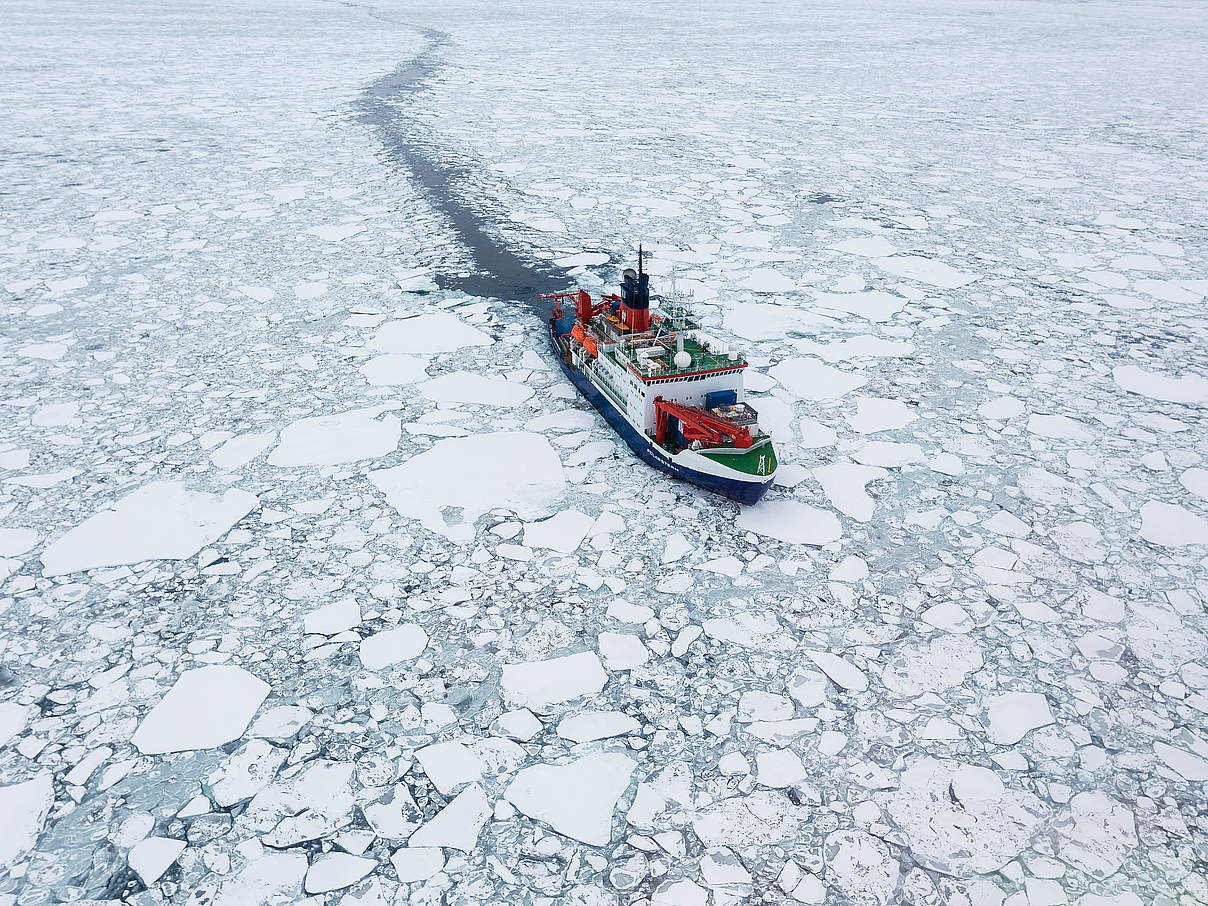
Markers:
(326, 440)
(206, 707)
(393, 646)
(960, 818)
(516, 470)
(809, 379)
(791, 521)
(926, 270)
(458, 824)
(164, 520)
(539, 684)
(152, 856)
(576, 799)
(1013, 715)
(1187, 388)
(467, 387)
(24, 806)
(1172, 525)
(392, 369)
(430, 333)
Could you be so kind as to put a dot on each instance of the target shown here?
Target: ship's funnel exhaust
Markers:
(635, 297)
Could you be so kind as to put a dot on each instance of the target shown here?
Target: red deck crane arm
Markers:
(698, 424)
(585, 310)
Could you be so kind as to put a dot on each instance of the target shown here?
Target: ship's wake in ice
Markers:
(494, 268)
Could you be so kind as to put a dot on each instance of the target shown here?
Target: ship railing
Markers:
(740, 414)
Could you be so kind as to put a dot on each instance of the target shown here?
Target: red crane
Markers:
(698, 424)
(585, 310)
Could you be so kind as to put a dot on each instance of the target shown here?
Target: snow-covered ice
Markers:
(206, 707)
(393, 646)
(458, 824)
(162, 520)
(152, 856)
(431, 332)
(538, 684)
(25, 805)
(517, 470)
(326, 440)
(575, 799)
(319, 582)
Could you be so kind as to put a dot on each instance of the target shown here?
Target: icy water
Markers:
(319, 585)
(494, 268)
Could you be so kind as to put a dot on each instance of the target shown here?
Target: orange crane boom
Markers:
(698, 424)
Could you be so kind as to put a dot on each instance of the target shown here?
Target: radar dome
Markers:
(683, 359)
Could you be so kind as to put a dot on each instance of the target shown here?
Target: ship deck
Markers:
(623, 348)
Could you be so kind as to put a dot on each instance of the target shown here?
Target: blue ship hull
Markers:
(746, 492)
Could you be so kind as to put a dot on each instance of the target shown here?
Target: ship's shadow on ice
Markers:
(494, 268)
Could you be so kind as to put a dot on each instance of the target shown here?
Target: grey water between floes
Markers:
(496, 269)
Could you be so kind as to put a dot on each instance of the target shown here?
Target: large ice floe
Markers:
(320, 584)
(206, 707)
(162, 520)
(459, 479)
